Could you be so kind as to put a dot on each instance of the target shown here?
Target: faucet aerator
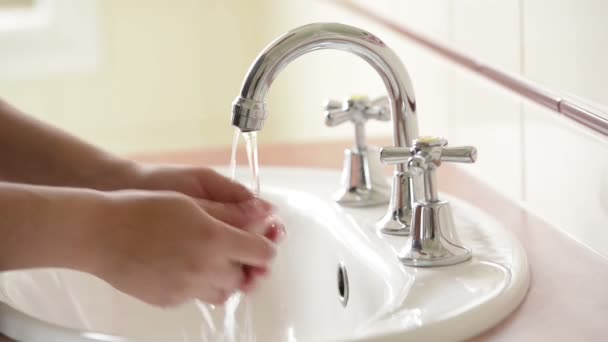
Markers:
(248, 115)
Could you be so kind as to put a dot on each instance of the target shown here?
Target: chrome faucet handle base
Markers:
(433, 241)
(398, 216)
(362, 183)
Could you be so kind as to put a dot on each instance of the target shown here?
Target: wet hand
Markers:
(164, 249)
(221, 197)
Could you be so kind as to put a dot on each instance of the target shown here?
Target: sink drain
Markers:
(343, 284)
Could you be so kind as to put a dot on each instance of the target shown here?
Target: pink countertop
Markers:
(567, 299)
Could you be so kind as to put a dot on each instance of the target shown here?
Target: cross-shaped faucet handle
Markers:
(357, 109)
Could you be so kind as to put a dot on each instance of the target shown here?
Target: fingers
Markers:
(222, 189)
(240, 214)
(248, 284)
(270, 227)
(230, 277)
(235, 277)
(214, 295)
(249, 248)
(251, 275)
(275, 231)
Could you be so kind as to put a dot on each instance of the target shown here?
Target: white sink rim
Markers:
(490, 313)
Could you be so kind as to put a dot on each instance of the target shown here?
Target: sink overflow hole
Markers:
(343, 284)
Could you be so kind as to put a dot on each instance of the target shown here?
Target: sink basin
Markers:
(335, 278)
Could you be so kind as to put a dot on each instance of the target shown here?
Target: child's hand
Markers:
(163, 248)
(222, 198)
(198, 182)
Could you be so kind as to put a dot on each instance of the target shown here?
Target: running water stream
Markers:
(235, 147)
(251, 141)
(233, 329)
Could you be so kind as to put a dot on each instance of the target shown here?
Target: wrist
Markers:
(49, 226)
(76, 221)
(114, 173)
(81, 235)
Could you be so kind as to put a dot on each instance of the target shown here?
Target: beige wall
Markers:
(168, 72)
(167, 75)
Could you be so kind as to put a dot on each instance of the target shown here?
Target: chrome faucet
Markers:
(363, 183)
(433, 239)
(249, 109)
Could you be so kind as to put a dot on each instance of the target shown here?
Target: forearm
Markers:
(36, 153)
(49, 226)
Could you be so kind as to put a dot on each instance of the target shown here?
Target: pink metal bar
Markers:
(593, 118)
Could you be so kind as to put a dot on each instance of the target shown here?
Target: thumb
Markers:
(272, 227)
(239, 214)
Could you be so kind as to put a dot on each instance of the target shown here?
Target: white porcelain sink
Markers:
(301, 300)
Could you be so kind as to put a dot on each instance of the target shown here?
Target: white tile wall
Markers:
(481, 113)
(488, 117)
(489, 30)
(566, 45)
(550, 164)
(567, 176)
(429, 17)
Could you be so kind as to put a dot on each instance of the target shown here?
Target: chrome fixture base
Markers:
(433, 240)
(363, 183)
(399, 214)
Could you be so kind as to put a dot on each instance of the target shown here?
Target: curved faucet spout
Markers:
(249, 109)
